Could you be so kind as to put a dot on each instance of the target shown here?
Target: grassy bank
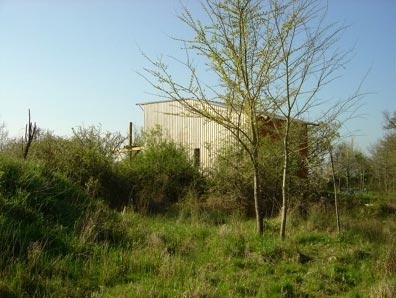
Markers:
(56, 241)
(171, 257)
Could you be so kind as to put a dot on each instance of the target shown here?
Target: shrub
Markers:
(36, 205)
(87, 159)
(161, 175)
(31, 188)
(232, 177)
(40, 205)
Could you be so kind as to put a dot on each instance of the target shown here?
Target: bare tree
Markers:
(308, 62)
(330, 135)
(390, 120)
(238, 48)
(267, 57)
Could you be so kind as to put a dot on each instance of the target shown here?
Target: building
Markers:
(203, 137)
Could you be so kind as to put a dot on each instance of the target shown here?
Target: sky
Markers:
(77, 62)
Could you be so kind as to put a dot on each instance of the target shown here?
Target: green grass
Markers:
(165, 257)
(57, 242)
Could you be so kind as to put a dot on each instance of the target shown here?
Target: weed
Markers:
(388, 262)
(384, 289)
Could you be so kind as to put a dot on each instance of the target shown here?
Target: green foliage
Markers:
(87, 159)
(48, 226)
(129, 254)
(36, 205)
(58, 238)
(384, 164)
(161, 175)
(352, 167)
(232, 178)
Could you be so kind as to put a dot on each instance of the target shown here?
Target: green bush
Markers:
(32, 186)
(87, 158)
(38, 204)
(232, 178)
(161, 175)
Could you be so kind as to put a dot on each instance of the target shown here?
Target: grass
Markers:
(57, 242)
(165, 257)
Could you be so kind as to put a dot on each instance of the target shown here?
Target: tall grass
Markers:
(44, 219)
(58, 241)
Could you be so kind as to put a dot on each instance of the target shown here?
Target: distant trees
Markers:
(390, 120)
(352, 166)
(383, 157)
(384, 164)
(376, 170)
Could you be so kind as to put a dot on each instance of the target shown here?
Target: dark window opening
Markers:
(197, 157)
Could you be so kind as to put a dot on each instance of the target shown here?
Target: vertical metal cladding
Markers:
(190, 130)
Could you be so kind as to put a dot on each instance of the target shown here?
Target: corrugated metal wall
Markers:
(190, 130)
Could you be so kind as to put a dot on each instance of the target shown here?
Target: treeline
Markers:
(375, 170)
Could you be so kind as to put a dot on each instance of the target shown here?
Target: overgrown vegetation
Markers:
(162, 175)
(48, 226)
(231, 178)
(79, 219)
(57, 242)
(179, 235)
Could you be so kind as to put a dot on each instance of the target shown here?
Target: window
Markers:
(197, 157)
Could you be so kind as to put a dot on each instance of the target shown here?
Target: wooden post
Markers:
(130, 133)
(130, 139)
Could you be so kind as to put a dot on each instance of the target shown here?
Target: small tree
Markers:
(267, 57)
(231, 177)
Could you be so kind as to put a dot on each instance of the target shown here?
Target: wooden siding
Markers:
(192, 131)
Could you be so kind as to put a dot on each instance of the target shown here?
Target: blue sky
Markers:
(75, 62)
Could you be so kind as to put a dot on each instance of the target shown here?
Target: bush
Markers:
(232, 177)
(40, 205)
(32, 188)
(87, 159)
(36, 205)
(161, 175)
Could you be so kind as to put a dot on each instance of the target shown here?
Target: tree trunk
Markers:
(284, 201)
(284, 177)
(257, 201)
(335, 191)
